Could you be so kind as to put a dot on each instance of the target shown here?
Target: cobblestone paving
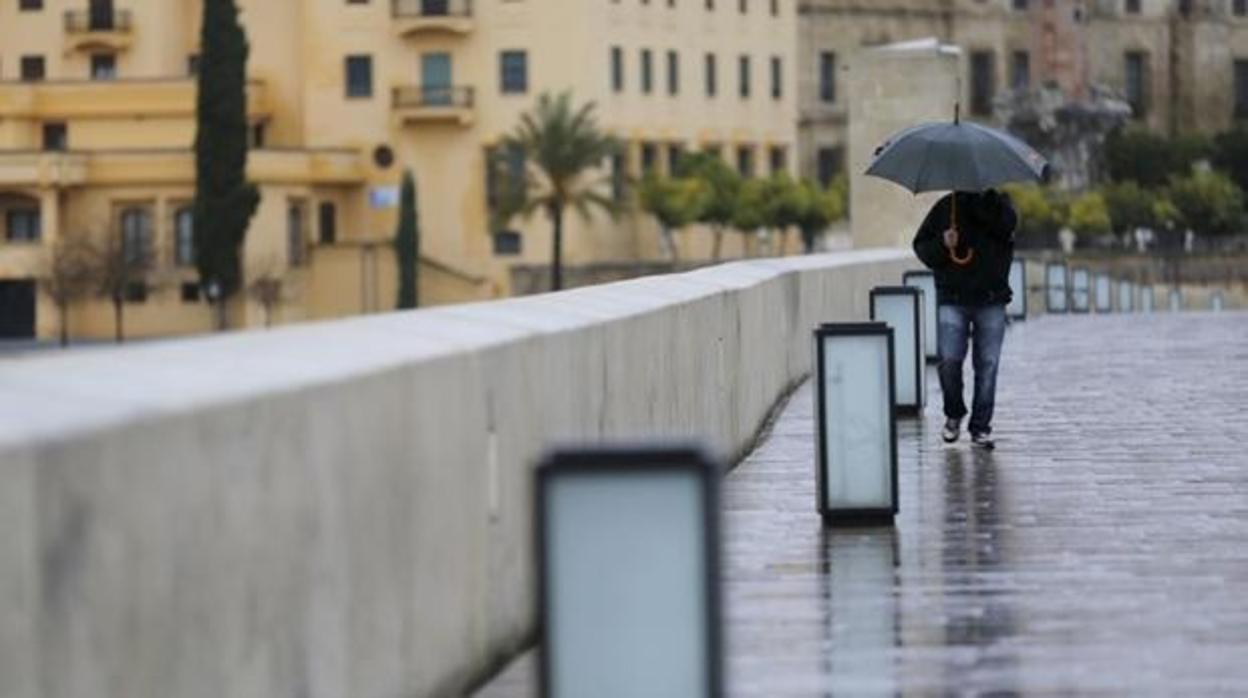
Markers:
(1102, 549)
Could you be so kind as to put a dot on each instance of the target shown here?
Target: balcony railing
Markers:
(421, 97)
(420, 9)
(94, 20)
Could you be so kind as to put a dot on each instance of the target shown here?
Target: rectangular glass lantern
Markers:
(1217, 302)
(1175, 300)
(925, 281)
(1126, 296)
(901, 308)
(1080, 291)
(628, 588)
(1017, 309)
(1056, 300)
(1104, 301)
(1148, 299)
(856, 464)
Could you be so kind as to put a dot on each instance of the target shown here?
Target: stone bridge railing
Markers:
(343, 509)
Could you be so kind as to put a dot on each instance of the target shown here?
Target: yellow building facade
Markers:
(97, 118)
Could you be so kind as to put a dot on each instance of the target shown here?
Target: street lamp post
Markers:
(628, 587)
(855, 400)
(901, 308)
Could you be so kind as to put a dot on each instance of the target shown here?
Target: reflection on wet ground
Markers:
(1103, 548)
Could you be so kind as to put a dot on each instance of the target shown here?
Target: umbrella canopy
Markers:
(958, 156)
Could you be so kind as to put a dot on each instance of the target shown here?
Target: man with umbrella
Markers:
(971, 261)
(967, 240)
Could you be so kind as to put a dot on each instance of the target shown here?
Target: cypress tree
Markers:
(407, 244)
(224, 200)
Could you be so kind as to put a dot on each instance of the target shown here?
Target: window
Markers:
(295, 240)
(1020, 5)
(359, 77)
(190, 292)
(619, 176)
(675, 152)
(513, 72)
(103, 66)
(357, 2)
(982, 83)
(1239, 8)
(136, 235)
(23, 225)
(1241, 89)
(1133, 7)
(778, 158)
(327, 222)
(745, 161)
(743, 66)
(192, 64)
(673, 73)
(1020, 70)
(713, 149)
(828, 162)
(744, 6)
(647, 78)
(712, 78)
(777, 78)
(30, 5)
(135, 292)
(184, 237)
(256, 136)
(827, 77)
(775, 8)
(504, 173)
(1137, 78)
(55, 136)
(617, 68)
(32, 68)
(507, 242)
(649, 158)
(710, 4)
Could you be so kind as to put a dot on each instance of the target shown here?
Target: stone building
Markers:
(1181, 64)
(97, 118)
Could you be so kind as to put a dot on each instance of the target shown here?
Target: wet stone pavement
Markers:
(1101, 549)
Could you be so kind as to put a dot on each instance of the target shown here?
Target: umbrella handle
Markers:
(962, 261)
(953, 225)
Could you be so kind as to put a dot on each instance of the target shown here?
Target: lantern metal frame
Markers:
(931, 314)
(1020, 293)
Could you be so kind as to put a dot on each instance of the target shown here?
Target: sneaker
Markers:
(983, 441)
(953, 428)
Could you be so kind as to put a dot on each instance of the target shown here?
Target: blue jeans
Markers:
(984, 325)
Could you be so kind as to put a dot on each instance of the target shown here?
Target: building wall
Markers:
(1073, 43)
(297, 99)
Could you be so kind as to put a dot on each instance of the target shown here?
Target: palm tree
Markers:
(562, 145)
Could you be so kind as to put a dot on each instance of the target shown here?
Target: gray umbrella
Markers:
(958, 156)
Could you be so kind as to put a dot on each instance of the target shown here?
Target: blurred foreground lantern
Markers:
(1079, 290)
(1126, 296)
(1104, 301)
(1055, 298)
(1176, 300)
(1017, 309)
(1148, 299)
(628, 548)
(901, 308)
(925, 281)
(857, 433)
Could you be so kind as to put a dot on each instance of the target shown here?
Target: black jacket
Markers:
(986, 223)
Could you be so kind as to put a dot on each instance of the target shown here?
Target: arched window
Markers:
(184, 237)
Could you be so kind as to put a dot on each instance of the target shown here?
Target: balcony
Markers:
(41, 169)
(415, 103)
(98, 30)
(413, 17)
(55, 100)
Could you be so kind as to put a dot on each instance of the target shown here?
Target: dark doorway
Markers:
(17, 309)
